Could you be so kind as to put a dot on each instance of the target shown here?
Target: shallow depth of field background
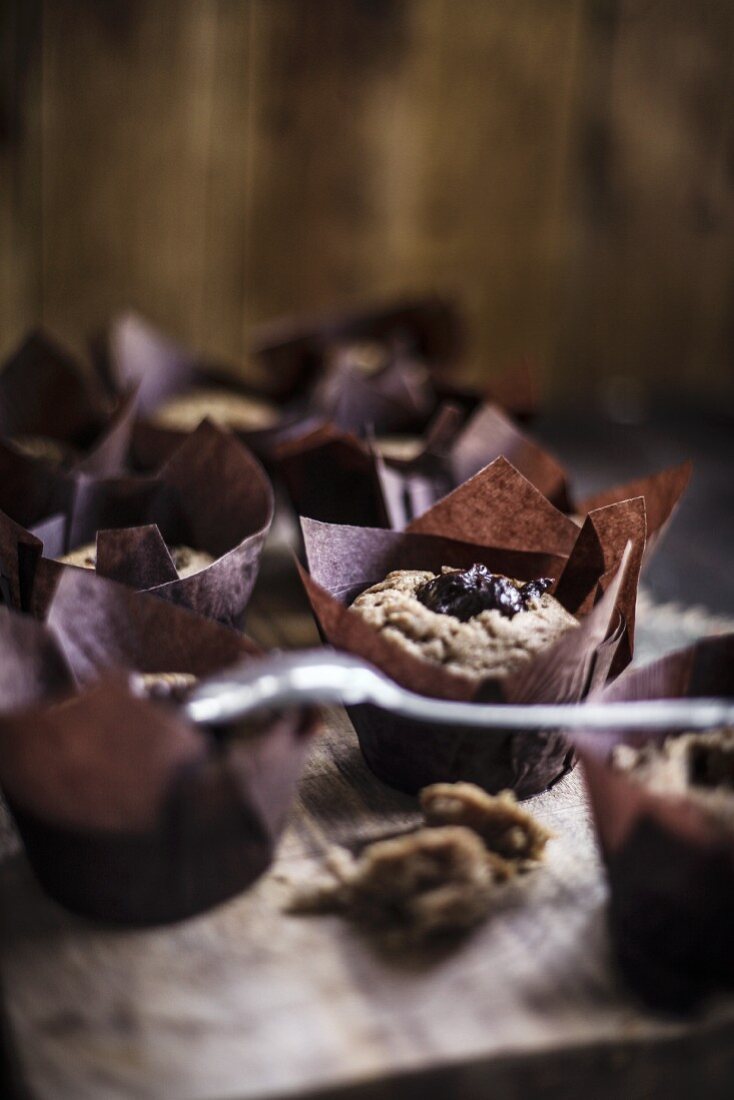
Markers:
(564, 167)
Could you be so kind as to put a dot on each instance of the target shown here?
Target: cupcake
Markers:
(178, 390)
(194, 532)
(185, 411)
(663, 806)
(129, 813)
(55, 412)
(338, 477)
(493, 594)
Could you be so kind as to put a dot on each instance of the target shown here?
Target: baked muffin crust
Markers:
(184, 412)
(186, 560)
(490, 644)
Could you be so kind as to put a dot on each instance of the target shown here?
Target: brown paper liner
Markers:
(102, 625)
(343, 561)
(302, 370)
(135, 353)
(20, 552)
(211, 495)
(31, 490)
(406, 489)
(294, 348)
(332, 476)
(670, 871)
(44, 391)
(129, 814)
(33, 666)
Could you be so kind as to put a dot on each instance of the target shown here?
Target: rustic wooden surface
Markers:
(21, 302)
(247, 1002)
(564, 168)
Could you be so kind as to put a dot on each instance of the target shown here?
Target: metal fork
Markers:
(326, 676)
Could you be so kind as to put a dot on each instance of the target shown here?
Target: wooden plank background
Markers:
(566, 169)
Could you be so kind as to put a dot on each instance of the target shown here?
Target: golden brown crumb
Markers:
(506, 828)
(423, 884)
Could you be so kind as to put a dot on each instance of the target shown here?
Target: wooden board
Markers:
(564, 169)
(20, 169)
(248, 1002)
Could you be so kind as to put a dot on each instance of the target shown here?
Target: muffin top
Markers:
(42, 446)
(697, 766)
(186, 560)
(476, 624)
(185, 411)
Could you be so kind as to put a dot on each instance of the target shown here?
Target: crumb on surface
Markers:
(426, 883)
(506, 828)
(435, 880)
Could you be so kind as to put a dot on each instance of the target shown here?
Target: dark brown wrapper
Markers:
(33, 666)
(670, 869)
(31, 490)
(451, 454)
(20, 552)
(211, 495)
(134, 353)
(294, 348)
(102, 625)
(662, 493)
(331, 476)
(343, 561)
(45, 392)
(131, 815)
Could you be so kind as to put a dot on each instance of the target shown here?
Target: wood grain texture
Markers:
(651, 198)
(141, 105)
(248, 1002)
(565, 169)
(20, 164)
(412, 145)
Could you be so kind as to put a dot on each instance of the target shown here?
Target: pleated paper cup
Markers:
(129, 813)
(211, 495)
(500, 520)
(134, 353)
(670, 866)
(367, 488)
(45, 394)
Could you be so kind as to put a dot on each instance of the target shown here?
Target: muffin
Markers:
(696, 766)
(399, 448)
(44, 447)
(473, 623)
(186, 560)
(185, 411)
(165, 686)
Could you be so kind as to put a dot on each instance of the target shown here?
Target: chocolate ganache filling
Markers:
(468, 592)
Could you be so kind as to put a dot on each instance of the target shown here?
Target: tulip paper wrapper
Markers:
(500, 520)
(134, 353)
(127, 811)
(334, 476)
(45, 393)
(210, 495)
(309, 387)
(670, 868)
(306, 370)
